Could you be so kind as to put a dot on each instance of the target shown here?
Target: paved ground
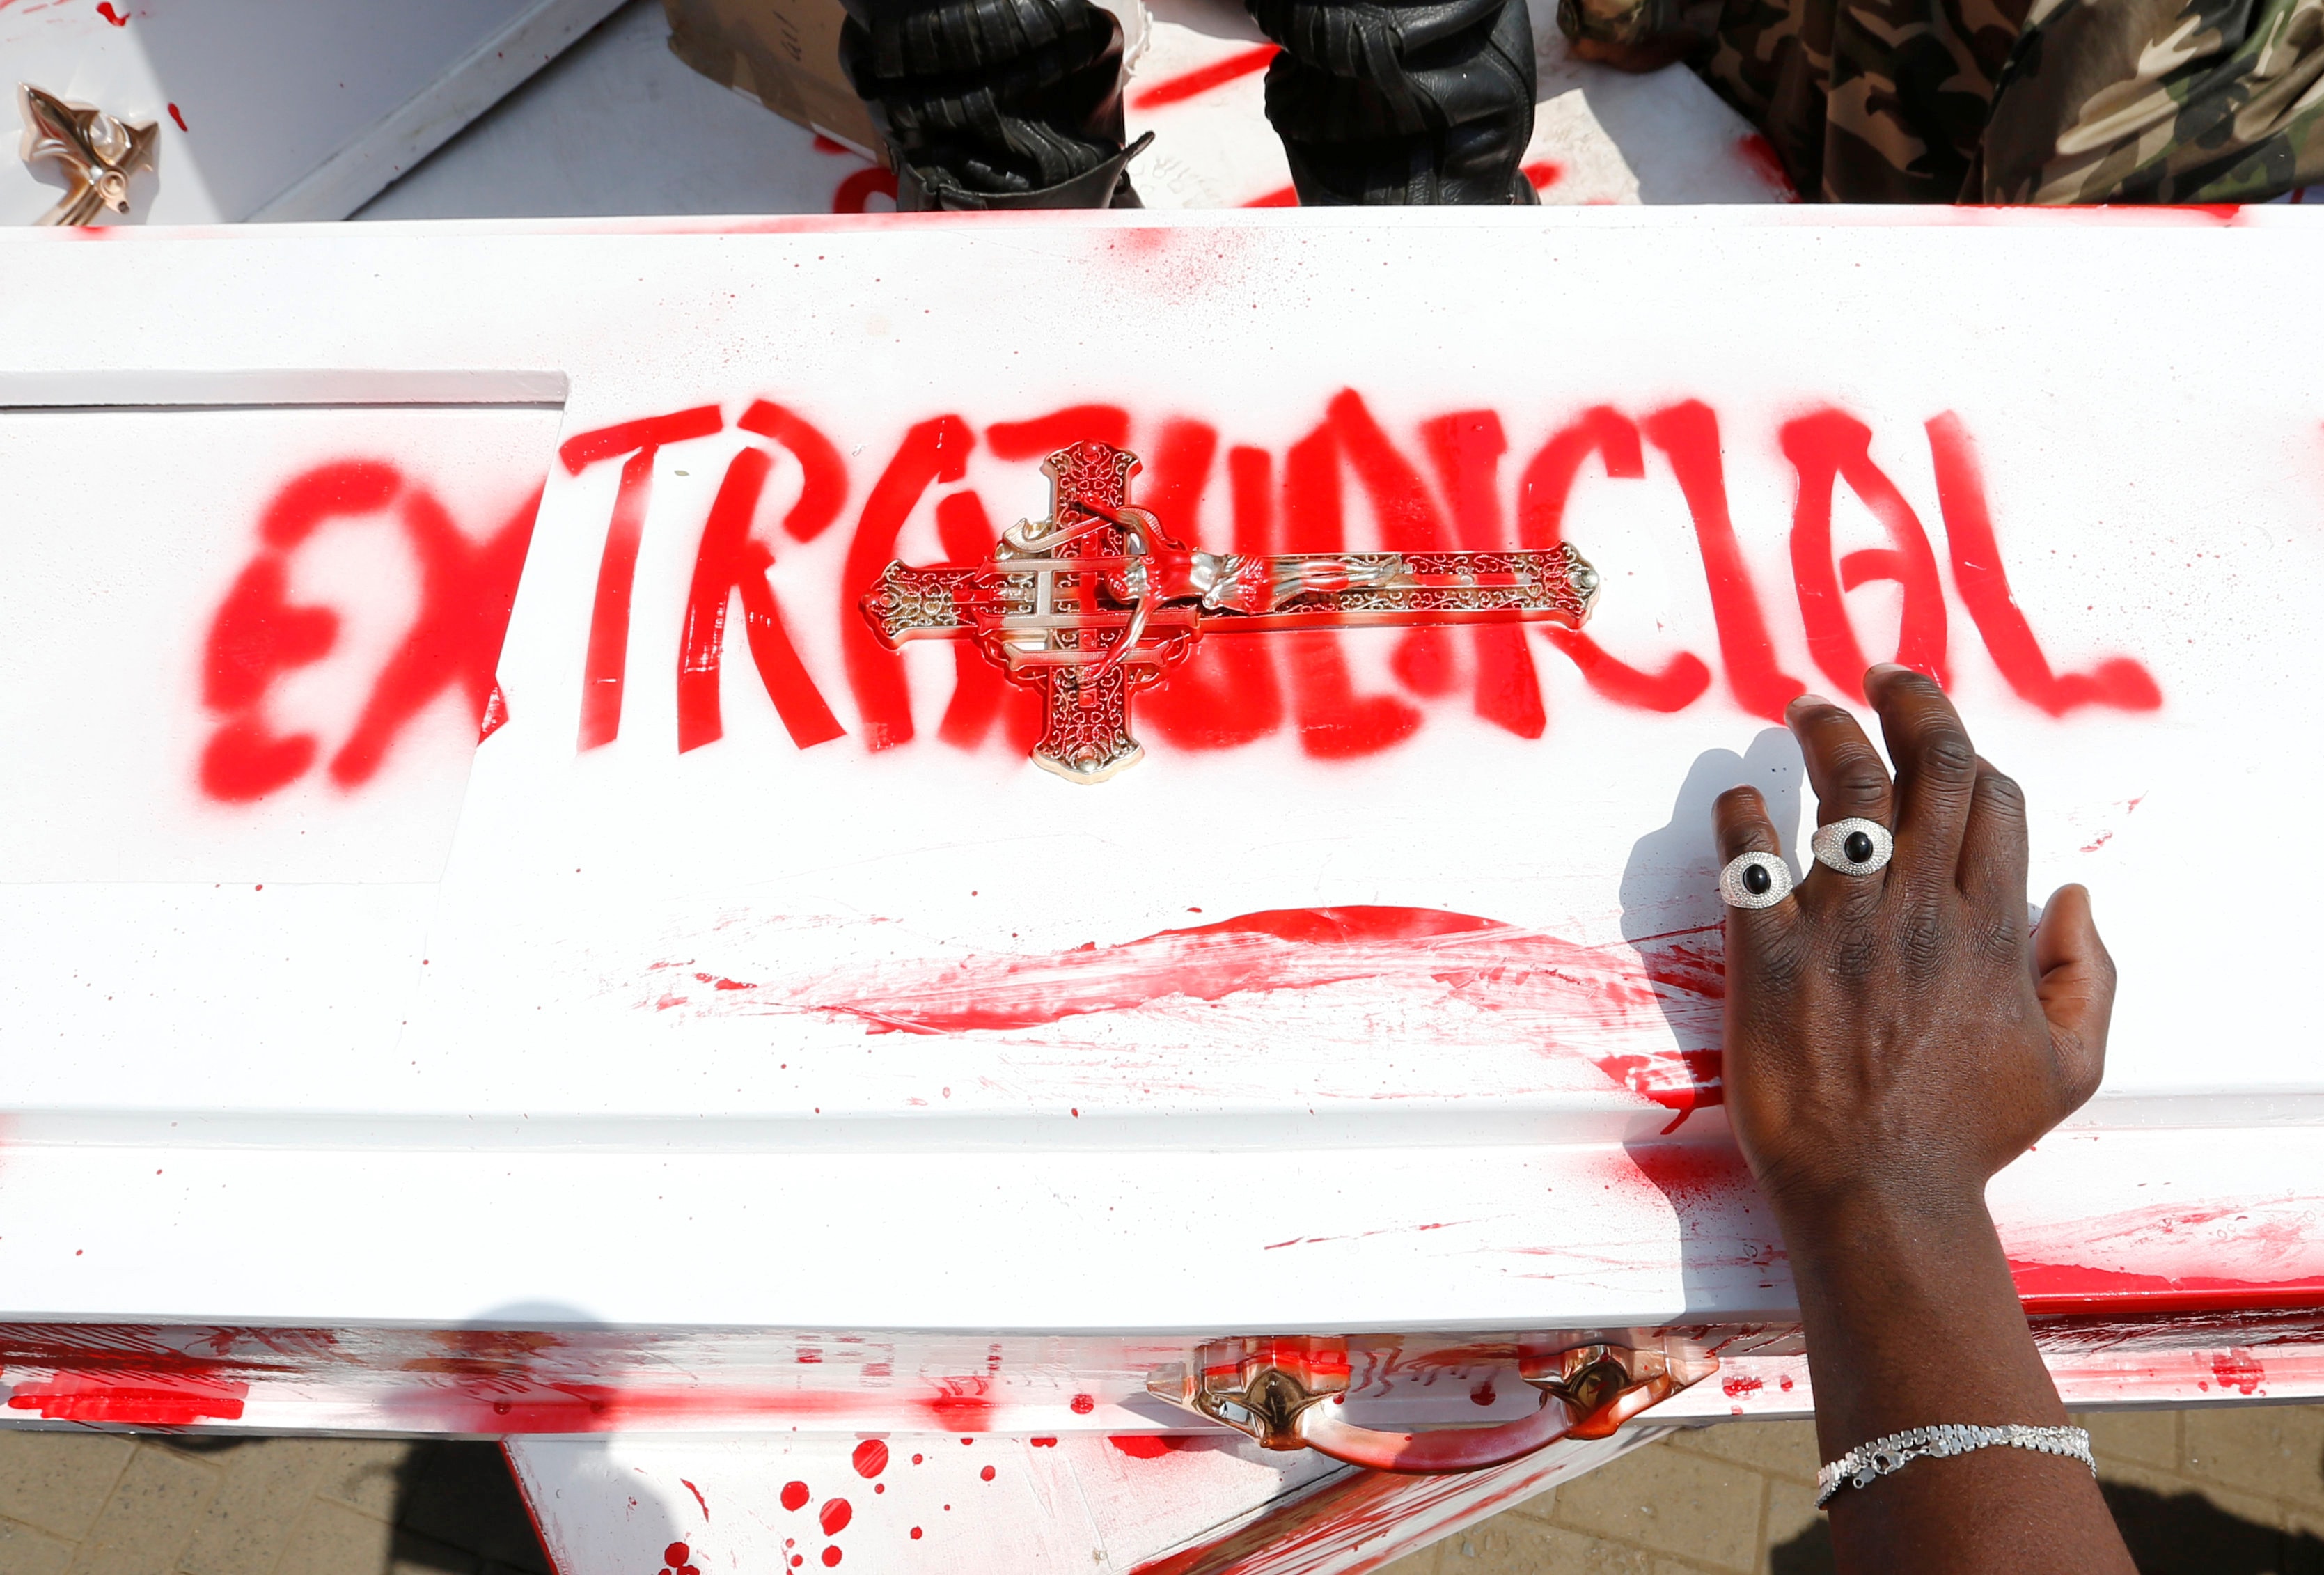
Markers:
(2224, 1492)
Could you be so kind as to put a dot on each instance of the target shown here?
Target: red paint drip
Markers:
(834, 1515)
(691, 1487)
(961, 1402)
(179, 118)
(1191, 84)
(870, 1457)
(1083, 1405)
(105, 10)
(795, 1495)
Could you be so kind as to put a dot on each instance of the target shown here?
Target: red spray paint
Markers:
(609, 620)
(1825, 448)
(933, 451)
(1226, 694)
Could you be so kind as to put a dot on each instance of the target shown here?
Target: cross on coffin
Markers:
(1097, 601)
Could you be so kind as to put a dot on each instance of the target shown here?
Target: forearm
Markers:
(1910, 1321)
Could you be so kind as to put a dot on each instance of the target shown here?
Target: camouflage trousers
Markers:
(2010, 101)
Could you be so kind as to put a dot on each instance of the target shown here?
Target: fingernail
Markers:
(1811, 700)
(1878, 668)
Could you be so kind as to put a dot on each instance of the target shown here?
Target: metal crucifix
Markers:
(1097, 601)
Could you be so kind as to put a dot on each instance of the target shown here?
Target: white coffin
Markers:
(360, 1077)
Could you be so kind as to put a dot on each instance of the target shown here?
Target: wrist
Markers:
(1925, 1222)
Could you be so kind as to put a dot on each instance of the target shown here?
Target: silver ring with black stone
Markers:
(1853, 847)
(1755, 881)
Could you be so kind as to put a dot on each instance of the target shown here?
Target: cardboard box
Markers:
(785, 53)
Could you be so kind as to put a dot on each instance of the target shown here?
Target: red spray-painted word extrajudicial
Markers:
(1445, 491)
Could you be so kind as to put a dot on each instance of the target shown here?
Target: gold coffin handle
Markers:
(1286, 1394)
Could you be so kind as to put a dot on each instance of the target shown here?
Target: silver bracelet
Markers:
(1862, 1465)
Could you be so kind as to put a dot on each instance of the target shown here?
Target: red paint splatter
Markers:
(834, 1515)
(1083, 1405)
(609, 620)
(986, 1474)
(1044, 1443)
(870, 1457)
(831, 1557)
(1736, 1388)
(2239, 1371)
(1283, 197)
(144, 1400)
(795, 1495)
(1543, 173)
(676, 1553)
(179, 118)
(1191, 84)
(691, 1487)
(104, 9)
(1575, 998)
(916, 1533)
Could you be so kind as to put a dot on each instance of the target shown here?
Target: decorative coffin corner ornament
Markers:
(1097, 601)
(98, 153)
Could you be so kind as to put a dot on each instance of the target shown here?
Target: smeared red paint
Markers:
(2073, 1289)
(104, 9)
(961, 1402)
(870, 1457)
(795, 1495)
(1543, 173)
(1826, 449)
(154, 1400)
(1983, 586)
(691, 1487)
(609, 621)
(1202, 79)
(466, 591)
(1571, 998)
(1141, 1446)
(1282, 197)
(1043, 1443)
(1760, 154)
(733, 562)
(834, 1517)
(179, 118)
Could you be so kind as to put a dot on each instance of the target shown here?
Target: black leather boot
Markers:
(1401, 102)
(994, 102)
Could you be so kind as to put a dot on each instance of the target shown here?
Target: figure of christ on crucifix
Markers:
(1098, 601)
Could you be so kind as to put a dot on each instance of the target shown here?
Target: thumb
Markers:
(2074, 978)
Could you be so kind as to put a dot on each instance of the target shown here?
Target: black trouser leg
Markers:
(994, 102)
(1399, 102)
